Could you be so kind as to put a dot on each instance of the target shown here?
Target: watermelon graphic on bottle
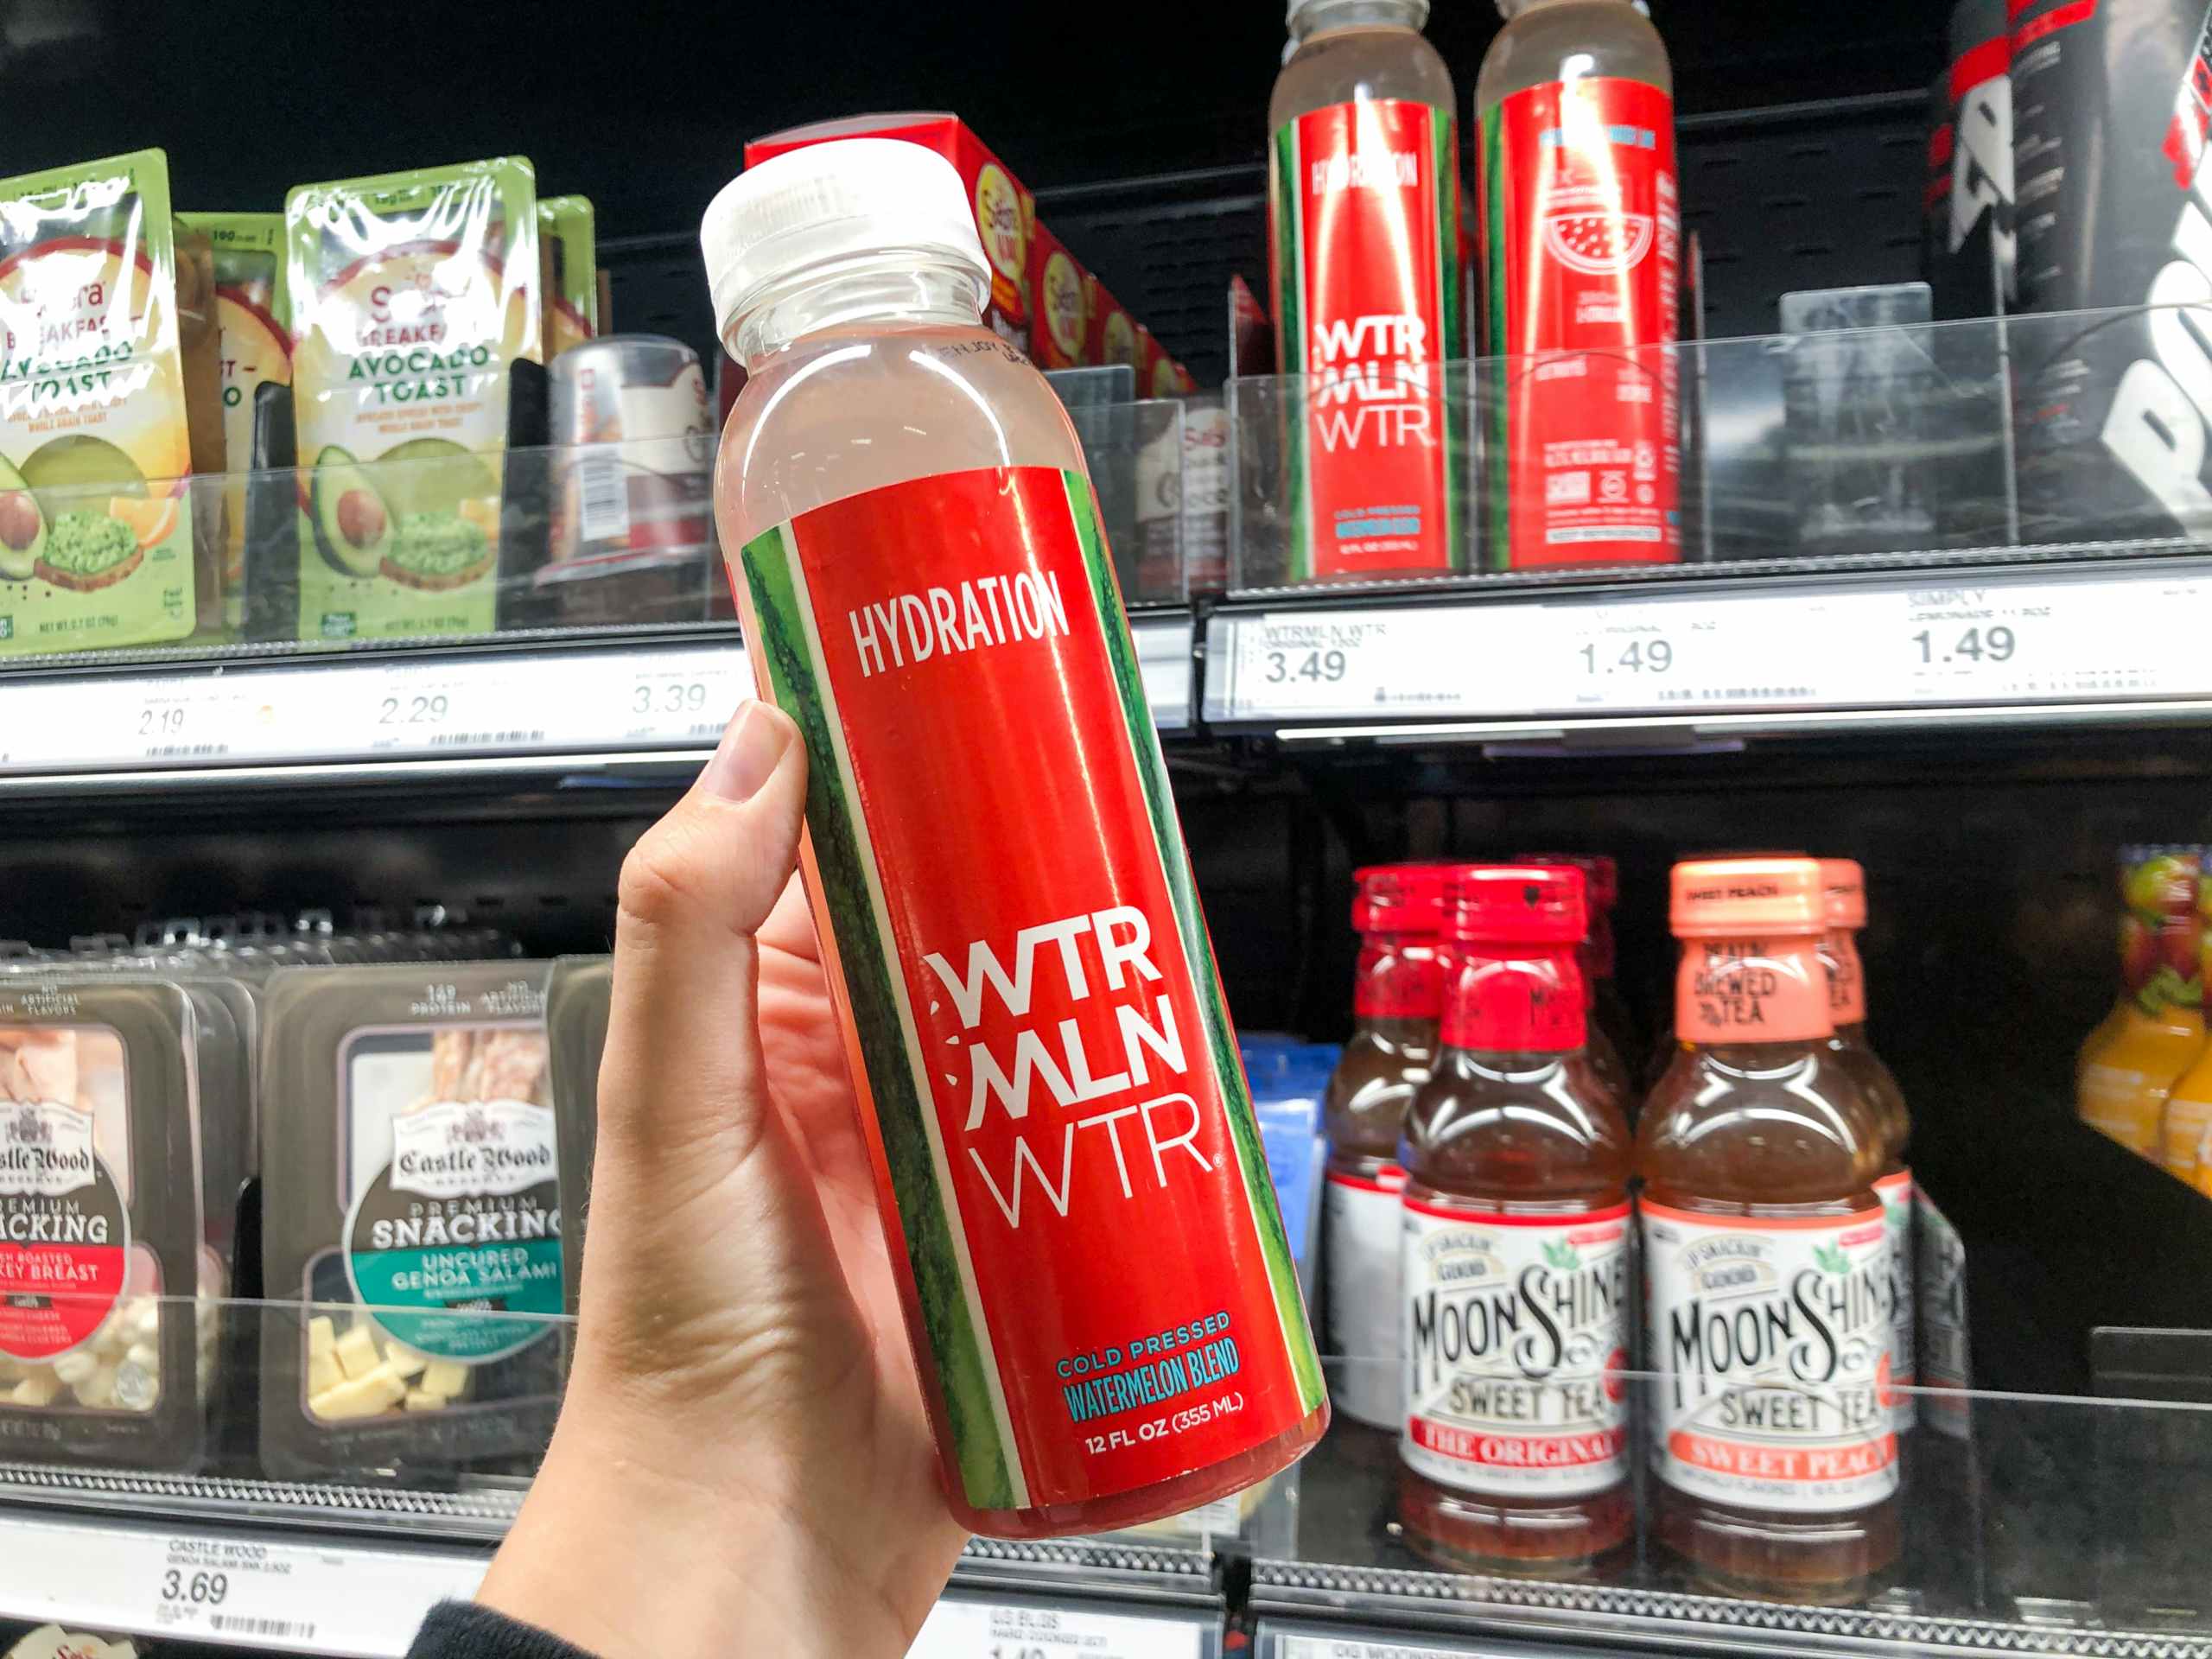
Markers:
(1583, 231)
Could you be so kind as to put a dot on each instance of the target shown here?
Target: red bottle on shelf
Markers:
(1516, 1279)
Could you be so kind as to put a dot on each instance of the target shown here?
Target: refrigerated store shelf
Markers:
(2096, 642)
(556, 706)
(290, 1581)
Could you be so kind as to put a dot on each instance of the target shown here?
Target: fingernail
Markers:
(751, 745)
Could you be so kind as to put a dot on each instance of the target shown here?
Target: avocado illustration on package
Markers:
(96, 543)
(412, 294)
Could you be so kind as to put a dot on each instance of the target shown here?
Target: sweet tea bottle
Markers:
(1612, 1028)
(1766, 1257)
(1844, 889)
(1581, 231)
(1031, 1012)
(1517, 1282)
(1397, 995)
(1363, 246)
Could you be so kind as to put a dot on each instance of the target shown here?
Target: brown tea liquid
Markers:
(1516, 1268)
(1766, 1258)
(1397, 991)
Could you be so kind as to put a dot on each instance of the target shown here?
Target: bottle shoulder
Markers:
(849, 410)
(1522, 1128)
(1609, 39)
(1350, 65)
(1775, 1124)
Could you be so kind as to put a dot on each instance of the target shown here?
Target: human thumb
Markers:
(694, 891)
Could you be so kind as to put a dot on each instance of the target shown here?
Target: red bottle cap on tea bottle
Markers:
(1601, 874)
(1601, 880)
(1399, 911)
(1514, 983)
(1399, 899)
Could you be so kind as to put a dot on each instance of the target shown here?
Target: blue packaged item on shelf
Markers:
(1287, 1080)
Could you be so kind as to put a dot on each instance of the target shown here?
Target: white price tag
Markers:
(681, 696)
(961, 1628)
(1344, 664)
(240, 1590)
(1164, 658)
(1296, 1646)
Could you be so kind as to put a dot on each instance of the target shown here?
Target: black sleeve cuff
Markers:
(462, 1629)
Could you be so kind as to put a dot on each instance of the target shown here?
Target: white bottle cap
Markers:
(832, 201)
(1420, 8)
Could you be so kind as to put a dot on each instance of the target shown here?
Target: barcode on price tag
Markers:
(961, 1628)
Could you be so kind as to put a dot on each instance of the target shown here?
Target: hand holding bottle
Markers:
(743, 1460)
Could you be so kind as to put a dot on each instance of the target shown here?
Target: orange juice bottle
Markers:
(2125, 1083)
(2187, 1144)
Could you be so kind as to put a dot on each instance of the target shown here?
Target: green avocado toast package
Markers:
(249, 262)
(96, 446)
(568, 264)
(412, 298)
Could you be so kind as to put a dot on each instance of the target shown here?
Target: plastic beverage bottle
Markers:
(1613, 1027)
(1517, 1254)
(2116, 1016)
(1029, 1001)
(1397, 995)
(2187, 1148)
(1844, 889)
(2123, 1086)
(1766, 1257)
(1363, 247)
(1575, 113)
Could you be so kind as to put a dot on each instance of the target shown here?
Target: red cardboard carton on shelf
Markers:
(1006, 213)
(1111, 336)
(1161, 376)
(1059, 292)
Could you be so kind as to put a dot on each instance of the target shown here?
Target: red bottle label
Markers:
(1401, 976)
(1518, 1003)
(1036, 1019)
(1363, 234)
(1578, 198)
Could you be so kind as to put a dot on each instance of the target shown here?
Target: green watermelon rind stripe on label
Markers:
(1287, 222)
(800, 683)
(1497, 332)
(1444, 158)
(1175, 864)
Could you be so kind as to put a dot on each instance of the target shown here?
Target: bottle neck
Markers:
(884, 289)
(1400, 977)
(1846, 978)
(1752, 991)
(1514, 999)
(1327, 16)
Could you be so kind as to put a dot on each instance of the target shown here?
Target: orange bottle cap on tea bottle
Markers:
(1747, 899)
(1844, 885)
